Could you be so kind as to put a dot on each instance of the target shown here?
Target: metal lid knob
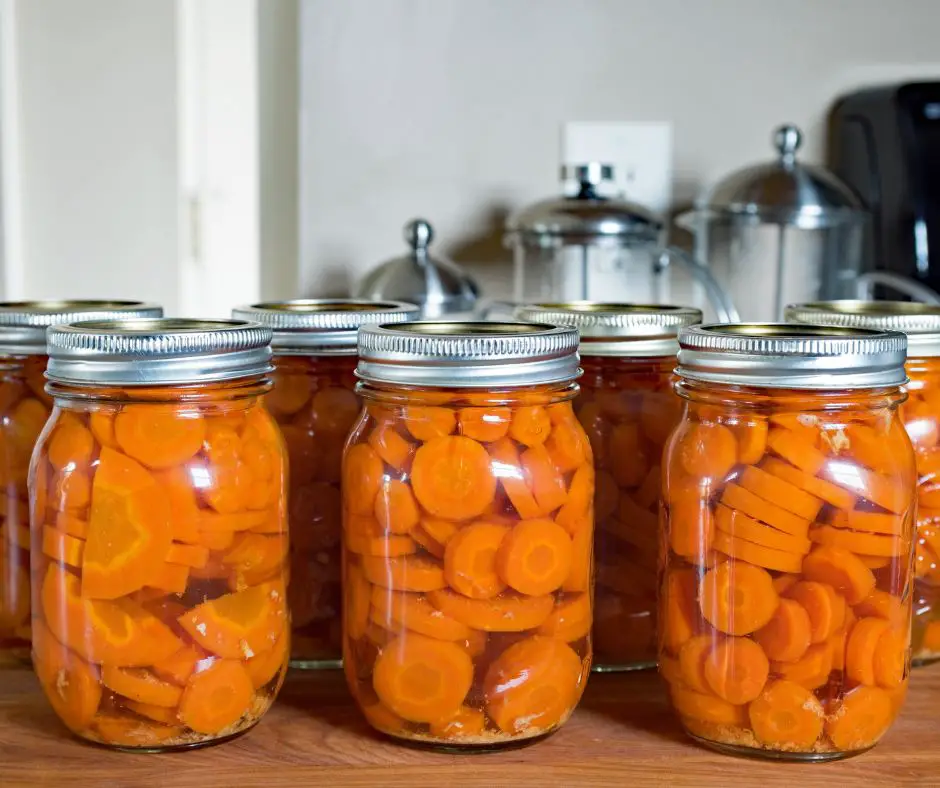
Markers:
(592, 173)
(418, 235)
(787, 140)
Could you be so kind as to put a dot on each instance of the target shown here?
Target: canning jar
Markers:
(921, 416)
(24, 408)
(468, 490)
(628, 408)
(159, 534)
(785, 601)
(314, 403)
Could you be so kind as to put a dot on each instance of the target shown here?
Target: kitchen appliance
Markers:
(586, 247)
(779, 231)
(441, 288)
(885, 143)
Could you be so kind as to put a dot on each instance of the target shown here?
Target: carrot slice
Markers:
(72, 445)
(885, 491)
(470, 565)
(451, 477)
(860, 649)
(262, 668)
(192, 555)
(842, 570)
(735, 523)
(752, 440)
(577, 512)
(71, 489)
(570, 619)
(101, 423)
(422, 679)
(706, 708)
(217, 697)
(400, 609)
(767, 557)
(530, 425)
(884, 605)
(787, 714)
(180, 491)
(855, 542)
(214, 541)
(535, 557)
(141, 685)
(787, 636)
(71, 524)
(395, 507)
(180, 665)
(423, 539)
(508, 612)
(825, 608)
(678, 603)
(362, 477)
(405, 573)
(582, 553)
(484, 424)
(691, 522)
(466, 722)
(61, 547)
(871, 522)
(128, 529)
(773, 488)
(692, 658)
(507, 467)
(796, 450)
(861, 719)
(357, 599)
(168, 577)
(707, 450)
(70, 684)
(736, 497)
(545, 481)
(811, 670)
(118, 730)
(889, 660)
(736, 669)
(533, 685)
(567, 444)
(869, 447)
(820, 488)
(428, 422)
(442, 531)
(161, 714)
(737, 598)
(159, 436)
(391, 447)
(240, 624)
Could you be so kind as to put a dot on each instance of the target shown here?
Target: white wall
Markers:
(452, 109)
(97, 138)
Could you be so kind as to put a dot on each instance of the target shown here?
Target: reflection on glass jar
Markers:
(159, 533)
(468, 493)
(789, 500)
(314, 403)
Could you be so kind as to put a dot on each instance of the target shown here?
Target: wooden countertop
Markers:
(622, 735)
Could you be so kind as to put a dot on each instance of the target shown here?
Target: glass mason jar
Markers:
(785, 602)
(468, 490)
(159, 533)
(314, 403)
(24, 408)
(628, 408)
(921, 416)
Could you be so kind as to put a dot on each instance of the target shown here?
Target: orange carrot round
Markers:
(470, 560)
(786, 713)
(535, 557)
(216, 698)
(708, 450)
(825, 608)
(842, 570)
(428, 422)
(396, 510)
(530, 425)
(405, 573)
(484, 424)
(508, 612)
(72, 445)
(860, 649)
(679, 609)
(570, 619)
(70, 684)
(738, 598)
(706, 708)
(465, 723)
(787, 635)
(362, 477)
(736, 669)
(772, 488)
(811, 670)
(391, 447)
(861, 719)
(692, 658)
(507, 468)
(889, 660)
(752, 440)
(412, 611)
(159, 436)
(141, 685)
(451, 477)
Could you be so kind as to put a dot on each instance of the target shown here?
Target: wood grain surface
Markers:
(622, 735)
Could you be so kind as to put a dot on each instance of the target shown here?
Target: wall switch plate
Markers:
(640, 153)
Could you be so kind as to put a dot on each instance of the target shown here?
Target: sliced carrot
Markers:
(466, 722)
(159, 436)
(118, 730)
(545, 480)
(71, 445)
(736, 497)
(405, 573)
(669, 669)
(861, 719)
(870, 448)
(180, 665)
(767, 557)
(811, 670)
(628, 464)
(787, 714)
(484, 424)
(570, 619)
(871, 522)
(707, 450)
(168, 577)
(842, 570)
(422, 679)
(735, 523)
(240, 624)
(577, 513)
(383, 719)
(362, 477)
(825, 608)
(787, 636)
(357, 599)
(535, 557)
(290, 393)
(820, 488)
(128, 529)
(860, 649)
(752, 440)
(264, 667)
(424, 540)
(71, 524)
(533, 685)
(706, 708)
(255, 557)
(856, 542)
(736, 670)
(692, 658)
(71, 489)
(391, 447)
(507, 468)
(213, 541)
(885, 491)
(101, 423)
(786, 495)
(442, 531)
(530, 425)
(428, 422)
(392, 546)
(470, 565)
(217, 697)
(227, 488)
(192, 555)
(568, 445)
(70, 683)
(508, 612)
(806, 425)
(796, 450)
(141, 685)
(451, 477)
(581, 575)
(737, 598)
(61, 547)
(884, 605)
(889, 661)
(161, 714)
(395, 507)
(400, 609)
(180, 491)
(679, 613)
(691, 524)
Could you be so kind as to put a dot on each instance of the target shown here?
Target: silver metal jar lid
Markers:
(322, 326)
(629, 330)
(148, 352)
(789, 356)
(23, 324)
(467, 354)
(921, 322)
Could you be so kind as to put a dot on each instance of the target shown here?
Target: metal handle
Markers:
(866, 283)
(592, 172)
(720, 300)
